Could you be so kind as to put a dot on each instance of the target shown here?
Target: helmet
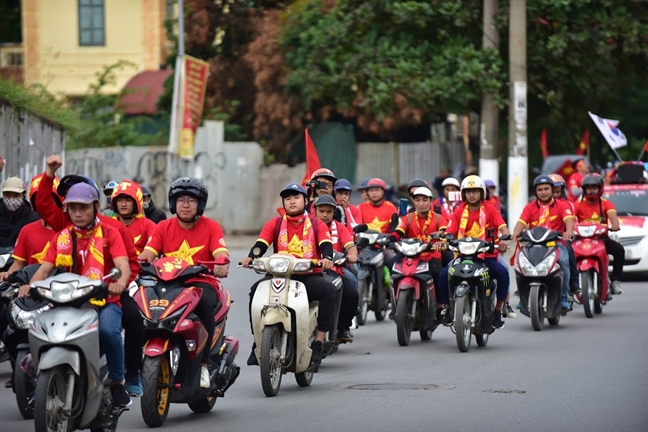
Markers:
(490, 183)
(325, 200)
(291, 188)
(82, 193)
(145, 191)
(324, 172)
(343, 184)
(472, 182)
(363, 184)
(131, 190)
(542, 179)
(418, 183)
(69, 180)
(108, 188)
(593, 180)
(33, 188)
(451, 181)
(558, 180)
(422, 191)
(376, 182)
(188, 186)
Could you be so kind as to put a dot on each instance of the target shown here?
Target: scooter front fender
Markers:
(276, 316)
(157, 346)
(587, 264)
(409, 283)
(57, 356)
(462, 289)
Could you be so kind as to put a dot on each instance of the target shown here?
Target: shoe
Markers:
(9, 383)
(318, 352)
(345, 336)
(576, 290)
(252, 360)
(134, 384)
(518, 306)
(498, 322)
(204, 378)
(119, 396)
(564, 303)
(443, 315)
(508, 311)
(616, 287)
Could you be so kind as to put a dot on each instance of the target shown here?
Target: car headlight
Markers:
(468, 248)
(3, 259)
(23, 319)
(542, 269)
(64, 292)
(586, 231)
(279, 265)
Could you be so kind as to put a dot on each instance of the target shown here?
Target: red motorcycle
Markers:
(592, 263)
(169, 291)
(413, 291)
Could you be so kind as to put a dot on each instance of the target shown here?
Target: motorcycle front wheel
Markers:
(270, 363)
(462, 322)
(156, 384)
(535, 308)
(364, 294)
(23, 387)
(49, 400)
(589, 294)
(404, 322)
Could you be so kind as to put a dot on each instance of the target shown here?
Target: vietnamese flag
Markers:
(543, 143)
(584, 144)
(312, 158)
(565, 170)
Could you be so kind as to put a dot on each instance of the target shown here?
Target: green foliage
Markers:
(232, 131)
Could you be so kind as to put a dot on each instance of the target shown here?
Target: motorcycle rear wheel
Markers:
(404, 323)
(156, 372)
(482, 339)
(598, 306)
(203, 405)
(462, 323)
(535, 308)
(587, 284)
(269, 362)
(50, 385)
(23, 388)
(554, 321)
(363, 292)
(304, 379)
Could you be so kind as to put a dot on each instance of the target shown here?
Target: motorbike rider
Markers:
(302, 236)
(99, 248)
(342, 242)
(15, 211)
(193, 238)
(153, 213)
(421, 225)
(593, 208)
(415, 184)
(492, 194)
(545, 211)
(473, 218)
(377, 212)
(574, 190)
(446, 202)
(108, 190)
(55, 217)
(363, 189)
(127, 201)
(342, 194)
(322, 182)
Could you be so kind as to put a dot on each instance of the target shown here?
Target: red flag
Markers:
(543, 143)
(644, 149)
(584, 144)
(312, 158)
(565, 170)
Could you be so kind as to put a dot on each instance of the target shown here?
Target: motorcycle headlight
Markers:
(23, 319)
(302, 267)
(279, 265)
(411, 249)
(258, 265)
(468, 248)
(3, 259)
(586, 231)
(371, 237)
(542, 269)
(64, 292)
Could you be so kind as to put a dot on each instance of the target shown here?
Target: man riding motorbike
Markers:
(193, 238)
(153, 213)
(342, 194)
(303, 236)
(126, 202)
(377, 212)
(15, 211)
(108, 190)
(447, 203)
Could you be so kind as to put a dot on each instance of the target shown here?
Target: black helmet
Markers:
(325, 200)
(145, 191)
(188, 186)
(593, 180)
(417, 182)
(543, 179)
(291, 188)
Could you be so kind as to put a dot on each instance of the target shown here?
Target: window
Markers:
(91, 23)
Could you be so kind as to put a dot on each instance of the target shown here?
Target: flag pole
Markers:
(176, 108)
(643, 152)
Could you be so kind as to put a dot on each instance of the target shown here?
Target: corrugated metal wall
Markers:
(377, 160)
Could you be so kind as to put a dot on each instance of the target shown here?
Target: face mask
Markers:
(146, 205)
(13, 203)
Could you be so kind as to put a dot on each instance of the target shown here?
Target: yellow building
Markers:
(66, 42)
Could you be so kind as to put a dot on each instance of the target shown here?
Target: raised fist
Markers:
(54, 162)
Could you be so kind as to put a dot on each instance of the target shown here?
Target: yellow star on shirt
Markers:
(136, 239)
(39, 257)
(185, 252)
(376, 225)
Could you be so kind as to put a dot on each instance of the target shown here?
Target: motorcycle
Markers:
(170, 289)
(592, 264)
(539, 277)
(475, 292)
(371, 279)
(5, 258)
(72, 384)
(413, 292)
(331, 344)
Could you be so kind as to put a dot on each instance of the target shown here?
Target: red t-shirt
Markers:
(417, 229)
(574, 182)
(295, 232)
(584, 211)
(32, 243)
(353, 217)
(495, 200)
(473, 228)
(199, 243)
(378, 217)
(341, 240)
(535, 214)
(140, 230)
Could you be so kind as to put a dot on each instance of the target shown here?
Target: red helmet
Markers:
(324, 172)
(129, 189)
(593, 180)
(34, 186)
(376, 182)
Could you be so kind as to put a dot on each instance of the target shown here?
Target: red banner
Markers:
(312, 158)
(194, 81)
(584, 144)
(543, 144)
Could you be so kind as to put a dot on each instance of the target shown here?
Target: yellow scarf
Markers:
(300, 248)
(465, 215)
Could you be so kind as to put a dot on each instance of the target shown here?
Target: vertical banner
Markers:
(194, 82)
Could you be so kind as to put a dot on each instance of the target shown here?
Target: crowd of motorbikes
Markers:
(60, 376)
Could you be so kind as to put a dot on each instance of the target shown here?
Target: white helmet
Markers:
(472, 182)
(422, 191)
(450, 181)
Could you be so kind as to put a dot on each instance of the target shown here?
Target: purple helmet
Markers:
(81, 193)
(490, 183)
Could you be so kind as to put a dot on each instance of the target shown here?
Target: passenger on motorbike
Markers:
(552, 214)
(303, 236)
(322, 182)
(473, 218)
(126, 201)
(363, 190)
(342, 194)
(108, 190)
(153, 213)
(447, 202)
(593, 208)
(421, 225)
(415, 184)
(377, 212)
(55, 217)
(99, 248)
(342, 242)
(193, 238)
(15, 211)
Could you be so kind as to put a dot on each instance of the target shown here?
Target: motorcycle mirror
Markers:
(506, 237)
(360, 228)
(115, 273)
(437, 209)
(491, 233)
(221, 261)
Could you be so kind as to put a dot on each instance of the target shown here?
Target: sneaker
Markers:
(134, 384)
(252, 360)
(616, 287)
(318, 352)
(508, 311)
(575, 289)
(564, 303)
(345, 336)
(443, 315)
(9, 383)
(119, 396)
(518, 306)
(498, 322)
(204, 378)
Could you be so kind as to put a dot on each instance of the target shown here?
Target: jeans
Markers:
(110, 325)
(563, 262)
(497, 271)
(349, 278)
(573, 271)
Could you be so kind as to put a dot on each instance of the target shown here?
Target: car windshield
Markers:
(629, 202)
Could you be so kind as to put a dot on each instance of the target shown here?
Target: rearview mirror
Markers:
(360, 228)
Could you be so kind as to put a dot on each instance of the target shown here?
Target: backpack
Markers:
(277, 230)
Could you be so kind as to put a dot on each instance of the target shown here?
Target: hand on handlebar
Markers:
(326, 264)
(245, 262)
(116, 288)
(23, 291)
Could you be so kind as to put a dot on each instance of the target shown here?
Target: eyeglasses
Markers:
(472, 191)
(187, 200)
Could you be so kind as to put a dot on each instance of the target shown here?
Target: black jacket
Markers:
(154, 213)
(12, 222)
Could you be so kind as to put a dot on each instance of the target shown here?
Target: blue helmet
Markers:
(364, 184)
(343, 185)
(542, 179)
(291, 189)
(69, 180)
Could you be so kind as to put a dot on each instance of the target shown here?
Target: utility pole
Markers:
(176, 108)
(488, 131)
(518, 183)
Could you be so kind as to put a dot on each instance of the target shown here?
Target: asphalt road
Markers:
(584, 375)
